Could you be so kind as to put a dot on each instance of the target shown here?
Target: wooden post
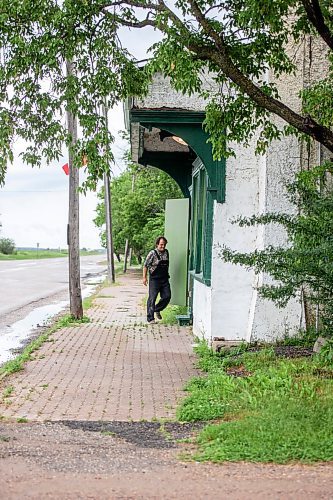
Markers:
(108, 218)
(75, 296)
(108, 211)
(126, 256)
(126, 243)
(130, 257)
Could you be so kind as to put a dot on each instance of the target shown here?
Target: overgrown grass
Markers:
(68, 320)
(170, 312)
(88, 301)
(281, 412)
(305, 338)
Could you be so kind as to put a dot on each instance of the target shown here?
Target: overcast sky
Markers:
(34, 202)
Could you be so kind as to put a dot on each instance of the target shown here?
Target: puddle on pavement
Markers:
(13, 336)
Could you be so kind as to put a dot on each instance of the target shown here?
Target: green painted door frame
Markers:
(188, 126)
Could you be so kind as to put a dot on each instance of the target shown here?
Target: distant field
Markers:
(42, 254)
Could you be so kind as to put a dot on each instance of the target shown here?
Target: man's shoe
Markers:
(151, 322)
(158, 315)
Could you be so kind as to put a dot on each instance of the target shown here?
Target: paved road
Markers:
(30, 281)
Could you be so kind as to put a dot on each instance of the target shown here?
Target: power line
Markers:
(28, 191)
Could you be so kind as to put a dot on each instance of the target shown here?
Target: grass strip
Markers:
(42, 254)
(17, 364)
(281, 411)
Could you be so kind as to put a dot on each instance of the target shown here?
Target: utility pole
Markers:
(108, 210)
(126, 256)
(75, 297)
(127, 250)
(108, 217)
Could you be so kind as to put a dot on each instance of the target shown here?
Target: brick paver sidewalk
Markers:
(114, 368)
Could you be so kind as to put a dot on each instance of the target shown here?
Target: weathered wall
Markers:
(161, 95)
(232, 285)
(202, 311)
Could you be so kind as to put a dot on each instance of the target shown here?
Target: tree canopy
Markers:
(235, 40)
(138, 201)
(37, 39)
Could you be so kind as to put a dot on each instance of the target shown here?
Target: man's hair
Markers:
(157, 242)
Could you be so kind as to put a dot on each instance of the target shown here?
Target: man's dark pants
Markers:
(157, 286)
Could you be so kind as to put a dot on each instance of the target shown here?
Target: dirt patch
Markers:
(284, 351)
(238, 371)
(67, 462)
(293, 351)
(143, 434)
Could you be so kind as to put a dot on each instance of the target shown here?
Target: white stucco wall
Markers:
(254, 185)
(232, 285)
(231, 307)
(282, 162)
(162, 95)
(202, 310)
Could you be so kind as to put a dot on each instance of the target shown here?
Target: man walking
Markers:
(157, 263)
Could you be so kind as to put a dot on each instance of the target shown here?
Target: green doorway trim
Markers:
(177, 165)
(188, 126)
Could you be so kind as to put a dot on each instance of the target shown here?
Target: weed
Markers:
(22, 420)
(170, 312)
(326, 352)
(108, 433)
(166, 434)
(282, 432)
(13, 365)
(305, 338)
(8, 391)
(68, 320)
(88, 302)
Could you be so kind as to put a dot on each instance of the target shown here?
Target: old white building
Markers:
(166, 132)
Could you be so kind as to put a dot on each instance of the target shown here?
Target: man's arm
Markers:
(146, 266)
(145, 280)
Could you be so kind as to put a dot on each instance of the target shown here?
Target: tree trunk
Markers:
(108, 213)
(75, 296)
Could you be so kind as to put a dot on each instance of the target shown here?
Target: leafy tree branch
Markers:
(237, 42)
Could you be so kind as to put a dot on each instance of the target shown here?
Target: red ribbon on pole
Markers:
(66, 168)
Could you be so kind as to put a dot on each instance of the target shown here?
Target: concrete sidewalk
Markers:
(114, 368)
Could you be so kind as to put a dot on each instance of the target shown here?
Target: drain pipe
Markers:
(319, 187)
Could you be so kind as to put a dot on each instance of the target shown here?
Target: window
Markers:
(199, 219)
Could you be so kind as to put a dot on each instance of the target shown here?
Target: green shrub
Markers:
(7, 246)
(306, 265)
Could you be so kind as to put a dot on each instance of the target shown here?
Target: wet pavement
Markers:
(114, 368)
(19, 325)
